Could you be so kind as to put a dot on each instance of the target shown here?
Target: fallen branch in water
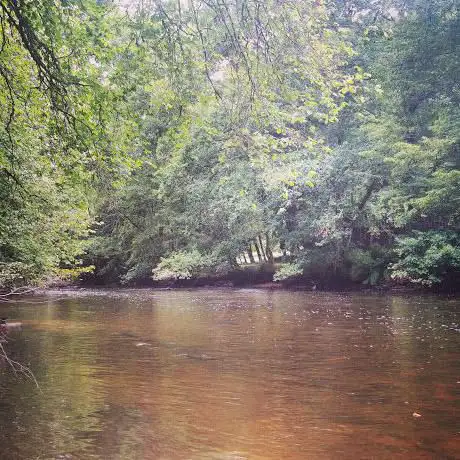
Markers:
(8, 296)
(15, 365)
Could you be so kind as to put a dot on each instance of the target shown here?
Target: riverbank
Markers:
(261, 276)
(76, 291)
(251, 277)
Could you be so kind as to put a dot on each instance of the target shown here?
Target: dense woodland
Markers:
(169, 140)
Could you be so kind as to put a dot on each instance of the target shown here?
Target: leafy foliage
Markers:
(287, 271)
(427, 257)
(184, 265)
(183, 140)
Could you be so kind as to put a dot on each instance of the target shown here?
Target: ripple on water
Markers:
(233, 374)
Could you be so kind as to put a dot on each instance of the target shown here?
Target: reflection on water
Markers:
(233, 374)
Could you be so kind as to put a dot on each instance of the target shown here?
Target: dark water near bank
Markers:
(233, 374)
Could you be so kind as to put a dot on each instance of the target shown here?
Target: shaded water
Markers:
(233, 374)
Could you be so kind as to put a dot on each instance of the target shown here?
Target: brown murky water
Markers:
(233, 374)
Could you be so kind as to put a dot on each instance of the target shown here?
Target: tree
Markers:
(53, 132)
(221, 109)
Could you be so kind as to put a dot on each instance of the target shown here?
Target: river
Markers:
(232, 375)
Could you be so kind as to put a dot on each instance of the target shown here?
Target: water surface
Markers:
(233, 374)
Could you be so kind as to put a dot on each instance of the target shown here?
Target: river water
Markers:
(232, 375)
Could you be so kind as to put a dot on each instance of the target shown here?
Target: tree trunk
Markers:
(283, 249)
(267, 249)
(258, 251)
(250, 254)
(262, 249)
(244, 258)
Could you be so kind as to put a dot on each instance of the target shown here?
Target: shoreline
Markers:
(87, 291)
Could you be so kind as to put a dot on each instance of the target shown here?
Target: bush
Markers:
(185, 265)
(16, 274)
(287, 271)
(368, 266)
(427, 258)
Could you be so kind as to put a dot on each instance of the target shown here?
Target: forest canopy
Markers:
(170, 140)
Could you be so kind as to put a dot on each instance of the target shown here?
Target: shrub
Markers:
(427, 257)
(368, 266)
(287, 271)
(184, 265)
(16, 274)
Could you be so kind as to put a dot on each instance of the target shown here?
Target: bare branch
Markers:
(16, 366)
(17, 291)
